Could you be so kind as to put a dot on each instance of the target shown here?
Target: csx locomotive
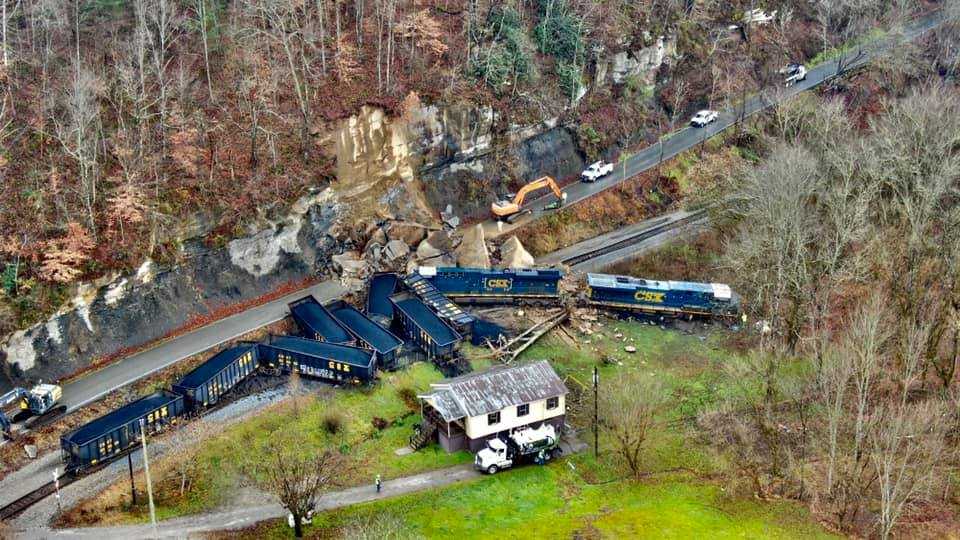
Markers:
(670, 298)
(494, 286)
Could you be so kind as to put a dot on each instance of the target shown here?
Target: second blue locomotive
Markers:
(672, 298)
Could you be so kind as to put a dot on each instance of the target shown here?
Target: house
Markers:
(467, 411)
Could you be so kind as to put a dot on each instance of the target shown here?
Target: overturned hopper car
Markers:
(370, 335)
(114, 433)
(319, 360)
(204, 385)
(316, 322)
(425, 329)
(379, 308)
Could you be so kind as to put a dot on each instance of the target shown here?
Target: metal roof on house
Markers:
(495, 389)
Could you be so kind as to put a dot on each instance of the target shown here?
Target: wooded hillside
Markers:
(122, 120)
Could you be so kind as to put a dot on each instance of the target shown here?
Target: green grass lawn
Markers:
(556, 502)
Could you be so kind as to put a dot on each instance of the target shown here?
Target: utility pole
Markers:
(146, 469)
(133, 490)
(596, 412)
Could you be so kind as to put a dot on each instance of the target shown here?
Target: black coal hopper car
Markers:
(112, 434)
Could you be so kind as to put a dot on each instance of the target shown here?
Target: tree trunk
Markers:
(297, 526)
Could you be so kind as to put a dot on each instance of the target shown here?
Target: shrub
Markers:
(380, 424)
(333, 423)
(508, 59)
(571, 78)
(558, 32)
(409, 397)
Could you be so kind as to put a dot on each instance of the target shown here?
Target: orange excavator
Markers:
(509, 210)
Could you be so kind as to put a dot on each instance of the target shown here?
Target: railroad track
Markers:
(18, 506)
(657, 229)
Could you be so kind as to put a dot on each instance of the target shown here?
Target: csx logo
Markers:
(647, 296)
(494, 283)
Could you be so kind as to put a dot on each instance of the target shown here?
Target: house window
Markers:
(553, 403)
(523, 410)
(493, 418)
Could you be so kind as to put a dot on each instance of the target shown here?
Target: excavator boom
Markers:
(504, 209)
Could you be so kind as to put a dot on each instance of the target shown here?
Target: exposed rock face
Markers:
(641, 63)
(136, 309)
(470, 186)
(514, 255)
(473, 249)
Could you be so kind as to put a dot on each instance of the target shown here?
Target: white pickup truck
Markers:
(596, 171)
(794, 73)
(538, 445)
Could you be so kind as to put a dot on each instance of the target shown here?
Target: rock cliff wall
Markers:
(129, 311)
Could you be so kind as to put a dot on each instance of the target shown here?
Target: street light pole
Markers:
(146, 470)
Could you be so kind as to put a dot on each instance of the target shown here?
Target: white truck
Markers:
(794, 73)
(596, 171)
(538, 445)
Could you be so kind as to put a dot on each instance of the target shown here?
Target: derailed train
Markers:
(619, 293)
(343, 345)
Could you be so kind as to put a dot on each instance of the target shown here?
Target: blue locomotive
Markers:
(494, 286)
(671, 298)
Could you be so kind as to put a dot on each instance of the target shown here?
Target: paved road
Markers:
(193, 526)
(690, 137)
(95, 385)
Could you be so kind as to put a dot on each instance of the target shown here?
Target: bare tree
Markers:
(205, 23)
(281, 23)
(295, 477)
(79, 136)
(908, 442)
(628, 407)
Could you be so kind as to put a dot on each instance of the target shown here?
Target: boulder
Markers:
(443, 261)
(434, 245)
(396, 249)
(376, 236)
(350, 264)
(407, 231)
(513, 255)
(473, 249)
